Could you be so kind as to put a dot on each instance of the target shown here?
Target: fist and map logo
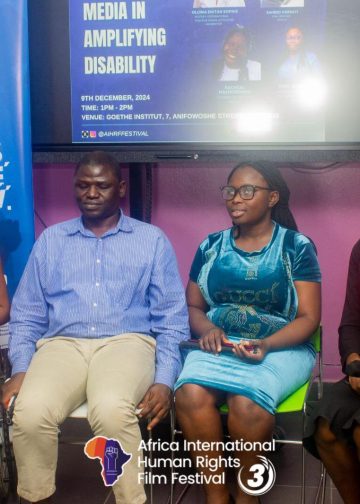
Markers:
(111, 455)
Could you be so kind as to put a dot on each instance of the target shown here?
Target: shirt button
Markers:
(97, 284)
(93, 328)
(95, 305)
(98, 261)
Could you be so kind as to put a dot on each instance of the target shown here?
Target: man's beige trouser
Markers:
(113, 374)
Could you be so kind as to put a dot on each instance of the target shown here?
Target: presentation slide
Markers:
(209, 71)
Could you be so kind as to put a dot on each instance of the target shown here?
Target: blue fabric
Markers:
(76, 284)
(266, 383)
(16, 193)
(297, 67)
(251, 295)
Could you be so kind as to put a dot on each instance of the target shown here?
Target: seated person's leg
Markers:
(120, 373)
(356, 437)
(330, 435)
(250, 422)
(340, 460)
(53, 386)
(198, 415)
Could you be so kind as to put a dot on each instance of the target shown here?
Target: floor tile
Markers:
(335, 497)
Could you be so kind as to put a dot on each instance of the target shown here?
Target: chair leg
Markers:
(323, 485)
(171, 498)
(183, 492)
(302, 475)
(150, 471)
(172, 439)
(7, 463)
(320, 493)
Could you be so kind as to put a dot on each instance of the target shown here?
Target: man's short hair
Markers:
(101, 158)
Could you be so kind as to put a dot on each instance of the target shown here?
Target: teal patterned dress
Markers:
(251, 295)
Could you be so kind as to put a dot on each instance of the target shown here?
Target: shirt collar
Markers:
(76, 226)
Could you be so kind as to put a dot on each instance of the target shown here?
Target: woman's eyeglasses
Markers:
(247, 192)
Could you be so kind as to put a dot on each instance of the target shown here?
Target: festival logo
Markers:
(111, 455)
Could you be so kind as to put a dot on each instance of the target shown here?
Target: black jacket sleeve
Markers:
(349, 330)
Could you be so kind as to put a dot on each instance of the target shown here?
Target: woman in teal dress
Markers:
(257, 286)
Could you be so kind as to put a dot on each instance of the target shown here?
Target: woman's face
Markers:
(256, 210)
(294, 39)
(235, 50)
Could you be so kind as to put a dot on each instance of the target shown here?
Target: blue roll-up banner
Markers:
(16, 193)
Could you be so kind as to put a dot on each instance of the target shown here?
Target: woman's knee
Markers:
(190, 398)
(247, 417)
(324, 437)
(356, 437)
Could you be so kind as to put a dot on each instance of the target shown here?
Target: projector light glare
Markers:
(311, 93)
(255, 122)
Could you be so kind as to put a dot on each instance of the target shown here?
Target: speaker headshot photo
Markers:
(299, 62)
(198, 4)
(235, 65)
(282, 3)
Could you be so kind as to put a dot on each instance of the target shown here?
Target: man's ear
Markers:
(273, 198)
(122, 188)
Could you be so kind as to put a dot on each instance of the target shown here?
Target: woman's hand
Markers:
(251, 350)
(210, 336)
(354, 382)
(212, 340)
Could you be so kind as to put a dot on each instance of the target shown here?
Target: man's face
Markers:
(98, 191)
(294, 39)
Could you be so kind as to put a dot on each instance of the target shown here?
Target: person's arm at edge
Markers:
(4, 299)
(28, 321)
(349, 329)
